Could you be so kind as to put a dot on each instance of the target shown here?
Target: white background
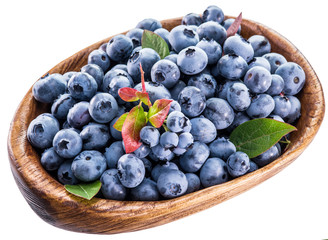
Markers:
(36, 35)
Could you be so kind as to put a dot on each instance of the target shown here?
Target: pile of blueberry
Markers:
(216, 82)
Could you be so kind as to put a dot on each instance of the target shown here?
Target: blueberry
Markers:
(212, 49)
(117, 135)
(175, 106)
(112, 74)
(178, 122)
(103, 107)
(232, 66)
(119, 48)
(120, 66)
(203, 130)
(227, 23)
(148, 167)
(147, 57)
(113, 154)
(95, 136)
(252, 167)
(100, 58)
(213, 172)
(213, 13)
(260, 44)
(238, 96)
(193, 182)
(145, 191)
(294, 77)
(192, 60)
(259, 61)
(219, 112)
(155, 91)
(212, 30)
(61, 106)
(116, 84)
(95, 71)
(295, 110)
(258, 79)
(192, 19)
(79, 115)
(111, 186)
(223, 88)
(165, 72)
(276, 117)
(82, 86)
(222, 148)
(150, 136)
(239, 46)
(183, 36)
(261, 106)
(169, 140)
(176, 89)
(50, 160)
(160, 168)
(172, 57)
(89, 165)
(172, 183)
(131, 170)
(67, 143)
(195, 157)
(65, 174)
(205, 82)
(275, 60)
(267, 157)
(47, 89)
(238, 164)
(240, 117)
(192, 101)
(186, 139)
(163, 33)
(135, 35)
(67, 76)
(149, 24)
(42, 130)
(142, 151)
(282, 106)
(277, 85)
(159, 153)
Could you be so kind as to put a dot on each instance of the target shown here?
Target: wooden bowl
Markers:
(48, 198)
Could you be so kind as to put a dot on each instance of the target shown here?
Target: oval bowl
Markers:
(48, 198)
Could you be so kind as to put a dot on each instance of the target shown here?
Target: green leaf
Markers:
(120, 121)
(144, 97)
(258, 135)
(84, 190)
(158, 112)
(132, 126)
(154, 41)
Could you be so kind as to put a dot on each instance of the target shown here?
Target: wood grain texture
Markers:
(48, 198)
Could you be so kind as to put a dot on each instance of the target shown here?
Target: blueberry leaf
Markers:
(258, 135)
(84, 190)
(119, 122)
(134, 122)
(156, 42)
(144, 97)
(233, 29)
(128, 94)
(158, 112)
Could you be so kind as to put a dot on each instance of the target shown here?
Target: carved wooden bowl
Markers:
(48, 198)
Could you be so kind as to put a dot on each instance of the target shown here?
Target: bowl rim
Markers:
(36, 183)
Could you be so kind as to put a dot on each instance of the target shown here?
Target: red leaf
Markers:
(144, 97)
(120, 121)
(128, 94)
(132, 126)
(232, 30)
(142, 79)
(158, 112)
